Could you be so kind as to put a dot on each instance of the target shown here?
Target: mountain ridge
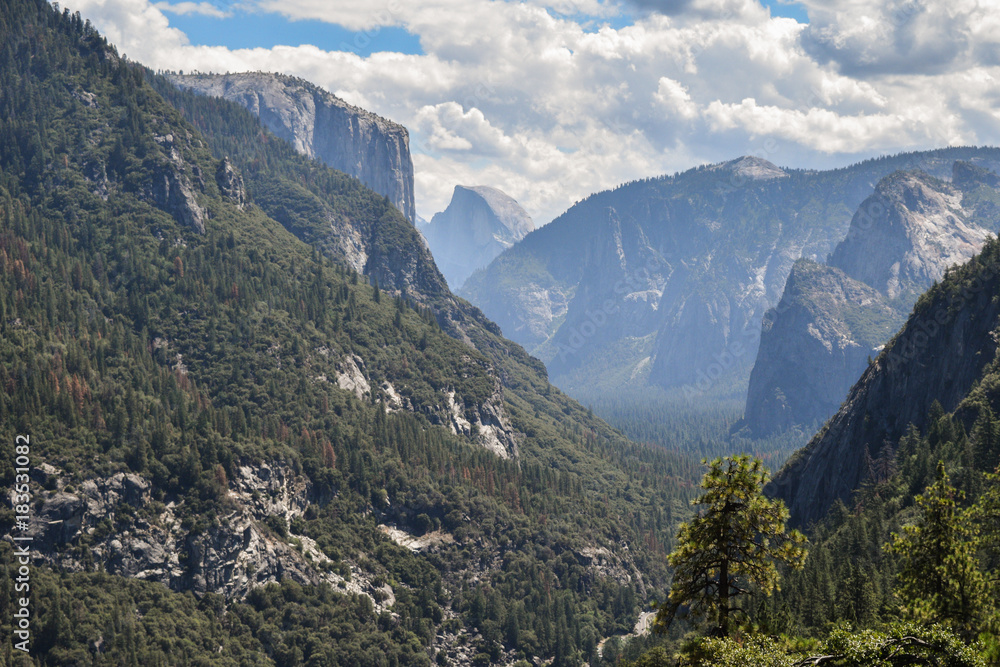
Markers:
(718, 249)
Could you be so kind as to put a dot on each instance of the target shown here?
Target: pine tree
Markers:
(986, 515)
(939, 576)
(730, 545)
(986, 436)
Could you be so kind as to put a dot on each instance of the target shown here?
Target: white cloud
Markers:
(133, 23)
(818, 129)
(675, 98)
(185, 8)
(900, 36)
(551, 106)
(352, 15)
(449, 128)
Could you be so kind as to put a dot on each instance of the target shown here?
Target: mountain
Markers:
(321, 126)
(664, 282)
(832, 319)
(944, 358)
(479, 223)
(262, 430)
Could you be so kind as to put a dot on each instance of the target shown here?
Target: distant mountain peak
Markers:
(753, 168)
(509, 213)
(479, 223)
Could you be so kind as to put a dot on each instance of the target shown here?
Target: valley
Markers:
(741, 414)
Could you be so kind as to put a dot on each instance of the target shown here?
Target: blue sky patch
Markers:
(247, 30)
(791, 10)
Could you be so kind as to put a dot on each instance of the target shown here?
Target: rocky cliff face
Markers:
(813, 346)
(322, 126)
(939, 355)
(670, 277)
(905, 235)
(129, 533)
(831, 319)
(486, 424)
(479, 223)
(172, 181)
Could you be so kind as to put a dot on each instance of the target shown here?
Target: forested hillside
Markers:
(234, 432)
(902, 575)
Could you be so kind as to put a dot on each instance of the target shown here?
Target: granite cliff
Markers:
(322, 126)
(817, 340)
(907, 233)
(479, 223)
(944, 354)
(832, 319)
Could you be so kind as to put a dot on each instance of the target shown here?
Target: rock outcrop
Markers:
(322, 126)
(486, 424)
(115, 523)
(230, 184)
(172, 183)
(479, 223)
(832, 319)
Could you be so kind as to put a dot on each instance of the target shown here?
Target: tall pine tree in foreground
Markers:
(939, 576)
(731, 545)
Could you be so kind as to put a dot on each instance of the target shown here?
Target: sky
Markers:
(552, 100)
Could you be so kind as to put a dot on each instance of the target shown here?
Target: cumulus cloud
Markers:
(549, 105)
(675, 99)
(817, 128)
(449, 128)
(900, 36)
